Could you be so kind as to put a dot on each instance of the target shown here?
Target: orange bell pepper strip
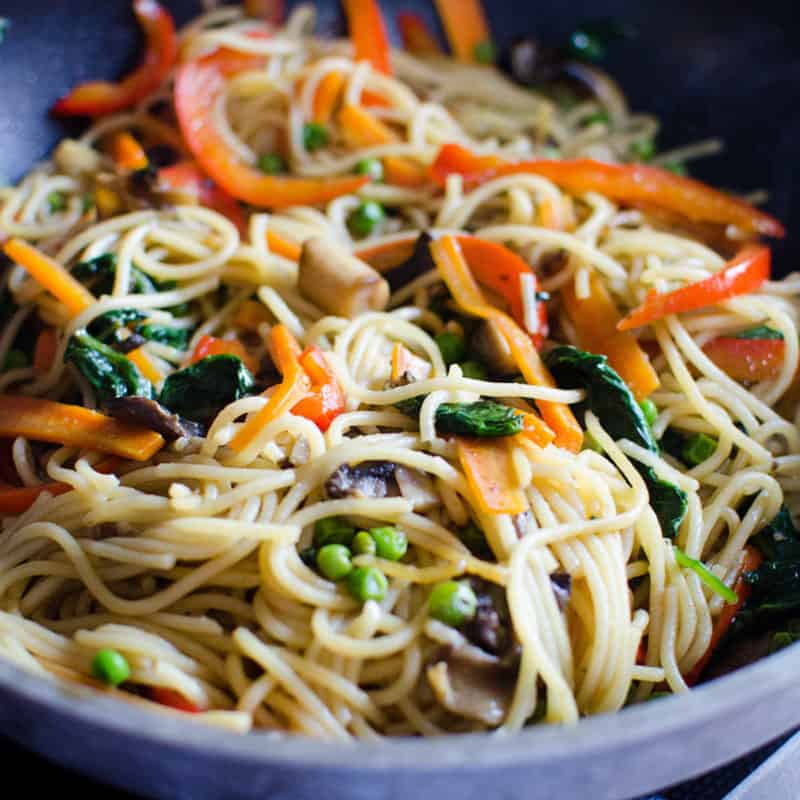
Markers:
(623, 183)
(51, 275)
(595, 321)
(454, 270)
(743, 274)
(74, 426)
(186, 176)
(747, 359)
(103, 97)
(44, 352)
(490, 474)
(198, 86)
(127, 154)
(417, 37)
(326, 400)
(368, 33)
(751, 559)
(465, 25)
(293, 387)
(326, 97)
(212, 346)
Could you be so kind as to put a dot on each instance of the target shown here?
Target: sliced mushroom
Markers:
(492, 349)
(490, 629)
(152, 415)
(419, 262)
(369, 479)
(473, 684)
(338, 282)
(417, 487)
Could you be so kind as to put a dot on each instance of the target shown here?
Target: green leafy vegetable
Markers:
(474, 539)
(174, 337)
(759, 332)
(56, 201)
(705, 575)
(110, 373)
(610, 399)
(98, 275)
(698, 448)
(202, 390)
(483, 418)
(106, 326)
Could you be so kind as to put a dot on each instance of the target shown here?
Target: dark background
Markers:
(706, 69)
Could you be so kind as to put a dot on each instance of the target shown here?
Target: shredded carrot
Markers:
(327, 95)
(51, 275)
(536, 430)
(250, 316)
(490, 474)
(466, 292)
(294, 386)
(146, 365)
(465, 25)
(595, 320)
(282, 247)
(74, 426)
(45, 351)
(127, 154)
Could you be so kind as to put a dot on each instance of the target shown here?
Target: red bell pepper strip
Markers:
(747, 359)
(186, 176)
(751, 559)
(742, 275)
(326, 400)
(624, 183)
(172, 699)
(198, 86)
(104, 97)
(417, 37)
(368, 33)
(212, 346)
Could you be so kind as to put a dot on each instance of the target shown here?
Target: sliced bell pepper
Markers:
(743, 274)
(198, 87)
(326, 400)
(465, 25)
(103, 97)
(127, 154)
(327, 95)
(624, 183)
(368, 33)
(417, 37)
(172, 699)
(212, 346)
(456, 274)
(747, 359)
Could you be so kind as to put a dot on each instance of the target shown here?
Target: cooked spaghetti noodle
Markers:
(198, 562)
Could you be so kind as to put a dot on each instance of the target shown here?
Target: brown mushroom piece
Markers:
(150, 414)
(472, 683)
(338, 282)
(369, 479)
(492, 349)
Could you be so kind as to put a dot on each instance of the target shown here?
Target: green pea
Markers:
(371, 167)
(272, 164)
(650, 411)
(364, 220)
(453, 603)
(452, 347)
(367, 583)
(110, 667)
(698, 448)
(56, 201)
(590, 443)
(474, 369)
(390, 543)
(677, 167)
(315, 136)
(643, 150)
(334, 562)
(586, 46)
(333, 530)
(363, 544)
(16, 359)
(485, 52)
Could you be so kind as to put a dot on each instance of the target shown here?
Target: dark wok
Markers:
(714, 68)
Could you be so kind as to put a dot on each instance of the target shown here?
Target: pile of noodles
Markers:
(189, 564)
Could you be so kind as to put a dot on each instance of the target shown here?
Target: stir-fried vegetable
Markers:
(128, 155)
(367, 583)
(45, 351)
(163, 334)
(466, 28)
(747, 359)
(490, 474)
(326, 399)
(743, 275)
(624, 183)
(368, 33)
(609, 398)
(334, 562)
(327, 96)
(417, 37)
(483, 418)
(102, 97)
(452, 602)
(111, 667)
(705, 575)
(212, 346)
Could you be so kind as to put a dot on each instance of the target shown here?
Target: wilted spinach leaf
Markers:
(483, 418)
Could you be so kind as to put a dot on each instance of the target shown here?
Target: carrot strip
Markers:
(327, 95)
(127, 153)
(294, 386)
(743, 274)
(51, 275)
(405, 172)
(368, 33)
(18, 499)
(74, 426)
(466, 292)
(417, 37)
(283, 247)
(595, 320)
(536, 429)
(465, 25)
(362, 129)
(45, 351)
(146, 366)
(490, 474)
